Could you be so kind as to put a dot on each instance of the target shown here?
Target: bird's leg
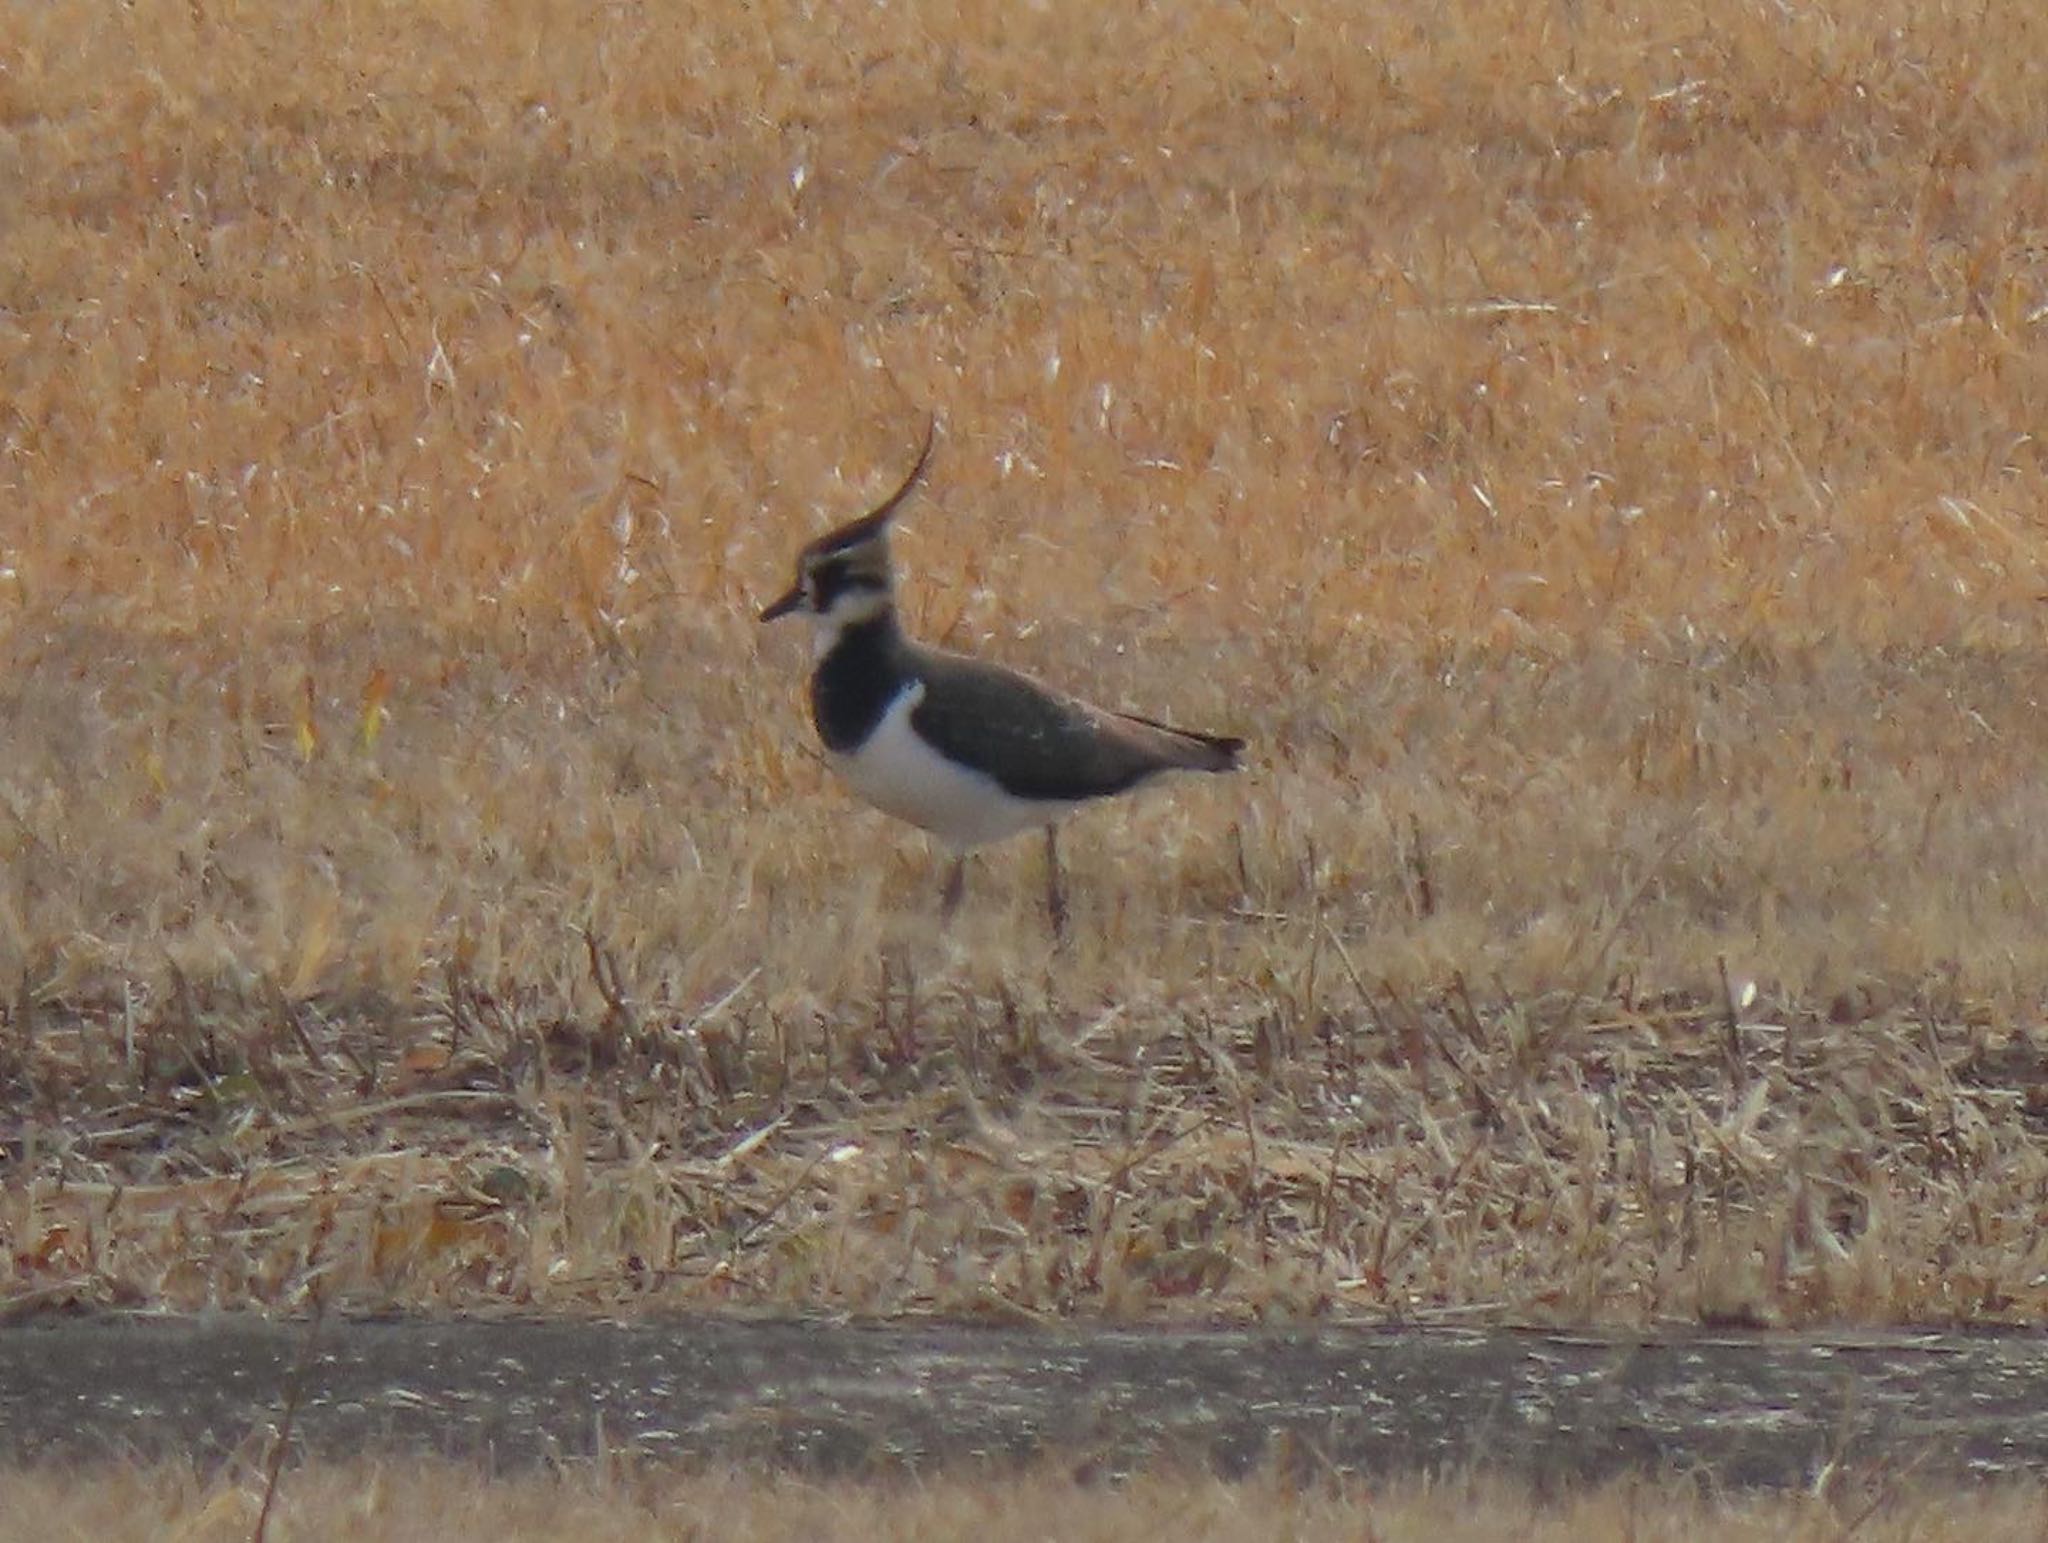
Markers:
(1055, 891)
(955, 890)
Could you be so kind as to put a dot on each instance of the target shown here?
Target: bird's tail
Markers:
(1189, 749)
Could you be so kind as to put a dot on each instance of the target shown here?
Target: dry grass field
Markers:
(428, 1501)
(1591, 452)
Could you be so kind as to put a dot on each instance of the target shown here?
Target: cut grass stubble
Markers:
(426, 1500)
(1589, 457)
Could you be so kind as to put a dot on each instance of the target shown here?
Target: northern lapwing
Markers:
(968, 750)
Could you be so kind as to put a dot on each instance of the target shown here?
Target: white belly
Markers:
(901, 775)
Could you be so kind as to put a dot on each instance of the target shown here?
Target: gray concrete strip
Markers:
(1744, 1410)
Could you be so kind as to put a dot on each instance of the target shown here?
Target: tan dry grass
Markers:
(400, 1501)
(1589, 453)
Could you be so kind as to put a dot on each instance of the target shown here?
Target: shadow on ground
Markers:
(1766, 1410)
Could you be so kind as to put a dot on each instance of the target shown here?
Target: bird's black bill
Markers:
(785, 605)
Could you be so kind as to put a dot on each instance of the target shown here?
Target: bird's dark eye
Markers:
(823, 585)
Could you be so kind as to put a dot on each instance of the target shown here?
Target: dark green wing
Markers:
(1039, 744)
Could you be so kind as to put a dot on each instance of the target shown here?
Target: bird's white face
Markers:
(835, 590)
(832, 608)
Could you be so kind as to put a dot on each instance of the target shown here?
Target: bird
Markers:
(967, 749)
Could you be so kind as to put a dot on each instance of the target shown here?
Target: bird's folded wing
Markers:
(1037, 743)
